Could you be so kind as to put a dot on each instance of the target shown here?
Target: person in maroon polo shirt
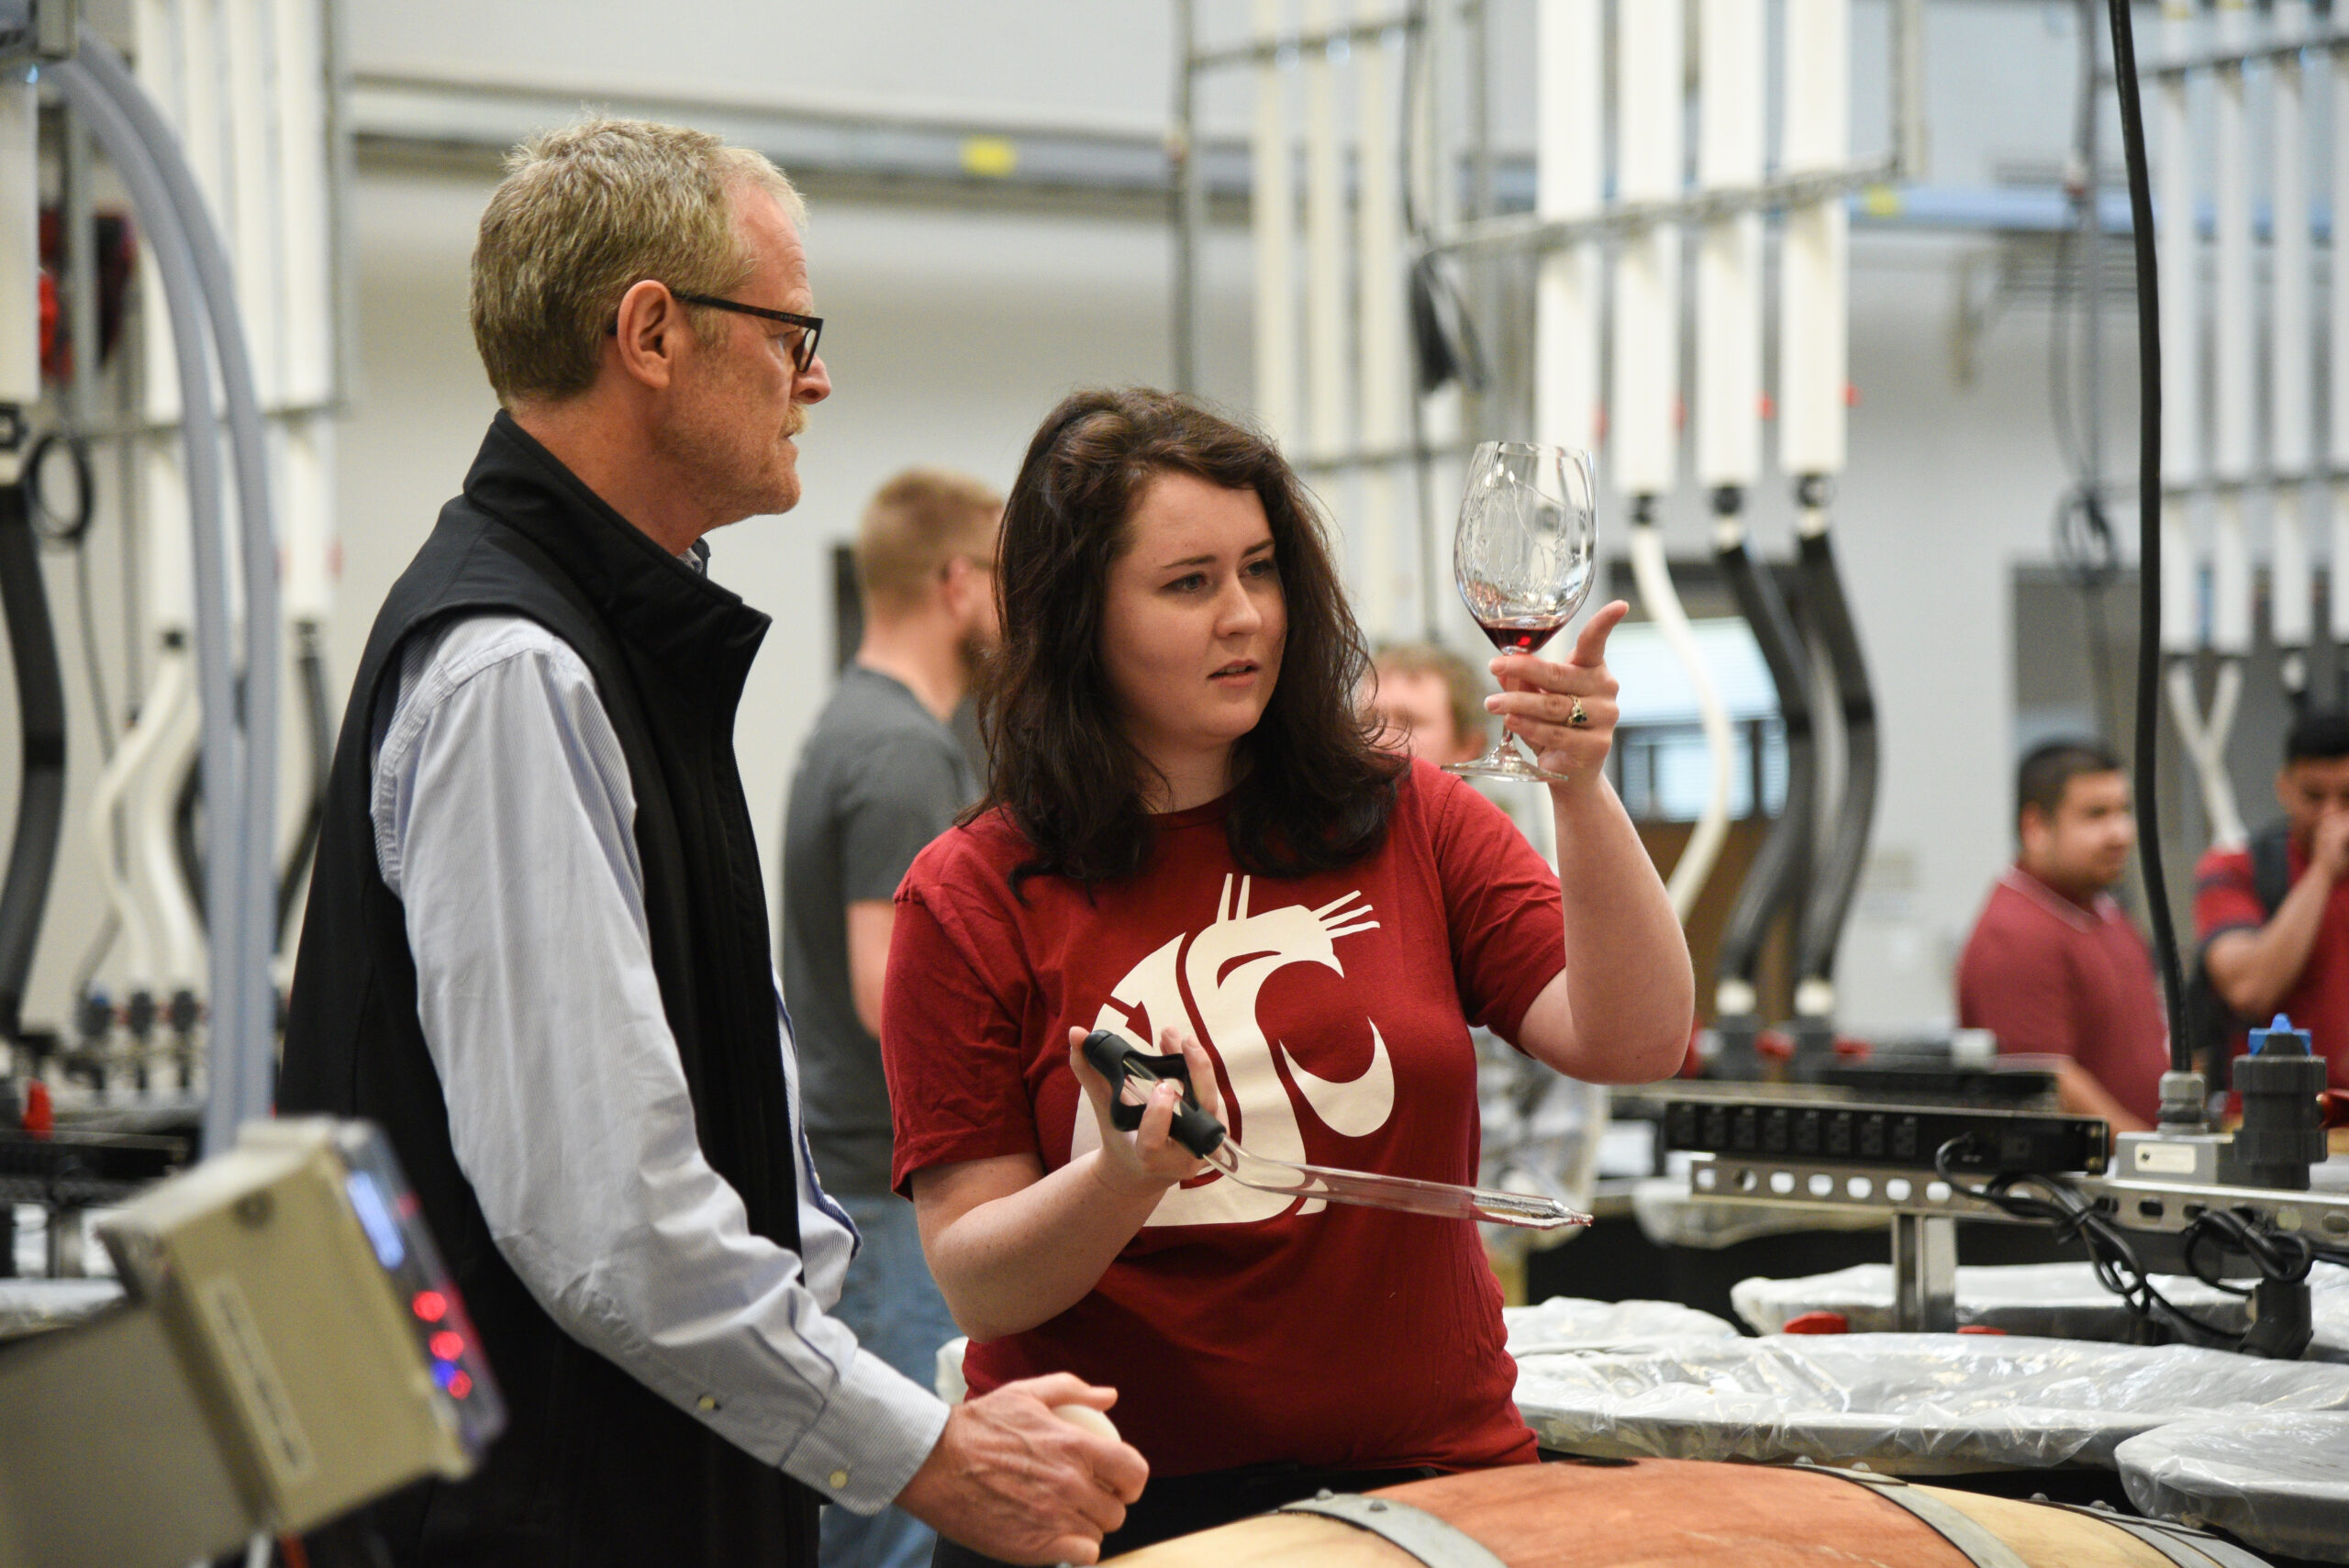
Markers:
(2053, 965)
(2264, 955)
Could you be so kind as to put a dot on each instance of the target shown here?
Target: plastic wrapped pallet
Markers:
(2058, 1301)
(2277, 1480)
(1906, 1404)
(1566, 1323)
(2329, 1305)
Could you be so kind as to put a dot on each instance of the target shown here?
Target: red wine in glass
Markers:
(1523, 555)
(1521, 634)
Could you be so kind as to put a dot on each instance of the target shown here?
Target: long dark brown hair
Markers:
(1313, 794)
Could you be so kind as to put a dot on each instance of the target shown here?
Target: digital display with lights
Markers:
(394, 1222)
(376, 1219)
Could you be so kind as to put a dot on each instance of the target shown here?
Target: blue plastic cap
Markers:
(2281, 1039)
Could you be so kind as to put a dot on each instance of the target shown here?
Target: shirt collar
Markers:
(2055, 903)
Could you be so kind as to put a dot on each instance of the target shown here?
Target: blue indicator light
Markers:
(442, 1372)
(376, 1219)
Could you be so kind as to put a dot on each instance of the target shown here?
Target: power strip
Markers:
(2038, 1143)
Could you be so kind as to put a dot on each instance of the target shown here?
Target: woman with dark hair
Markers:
(1189, 839)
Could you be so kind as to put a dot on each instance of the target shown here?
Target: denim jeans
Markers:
(893, 1307)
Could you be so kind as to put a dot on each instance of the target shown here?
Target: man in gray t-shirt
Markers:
(880, 776)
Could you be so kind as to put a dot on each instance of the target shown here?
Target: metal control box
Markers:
(292, 1349)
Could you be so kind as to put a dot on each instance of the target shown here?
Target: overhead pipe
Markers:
(2336, 62)
(2186, 630)
(2180, 247)
(1570, 158)
(1570, 153)
(2233, 459)
(1732, 74)
(1814, 373)
(1383, 415)
(298, 246)
(1273, 218)
(1643, 428)
(2291, 587)
(1324, 401)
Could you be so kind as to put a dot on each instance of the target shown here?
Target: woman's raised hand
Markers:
(1147, 1157)
(1538, 700)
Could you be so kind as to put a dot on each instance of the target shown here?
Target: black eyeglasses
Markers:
(811, 328)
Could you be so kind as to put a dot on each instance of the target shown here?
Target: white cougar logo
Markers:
(1220, 970)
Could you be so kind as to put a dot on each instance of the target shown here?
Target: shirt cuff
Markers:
(877, 1429)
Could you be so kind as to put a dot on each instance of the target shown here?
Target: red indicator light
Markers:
(448, 1345)
(431, 1306)
(460, 1385)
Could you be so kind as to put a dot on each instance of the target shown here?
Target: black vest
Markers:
(595, 1468)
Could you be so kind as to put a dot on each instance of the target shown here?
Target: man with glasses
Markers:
(536, 949)
(880, 775)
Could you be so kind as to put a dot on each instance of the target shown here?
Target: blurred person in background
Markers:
(2272, 917)
(880, 775)
(2054, 966)
(1427, 702)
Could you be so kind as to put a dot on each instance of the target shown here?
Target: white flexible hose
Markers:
(1663, 605)
(153, 803)
(2206, 744)
(129, 762)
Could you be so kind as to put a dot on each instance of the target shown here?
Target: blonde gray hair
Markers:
(584, 213)
(915, 524)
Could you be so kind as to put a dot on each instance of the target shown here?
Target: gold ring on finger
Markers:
(1576, 717)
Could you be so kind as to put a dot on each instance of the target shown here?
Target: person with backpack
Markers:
(2271, 917)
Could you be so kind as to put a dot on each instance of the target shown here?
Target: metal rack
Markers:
(1474, 230)
(1923, 1211)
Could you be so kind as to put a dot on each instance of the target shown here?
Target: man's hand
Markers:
(1011, 1479)
(2330, 850)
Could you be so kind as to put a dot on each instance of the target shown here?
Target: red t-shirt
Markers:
(1241, 1328)
(2225, 899)
(2044, 975)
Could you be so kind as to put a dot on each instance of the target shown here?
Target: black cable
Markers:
(40, 723)
(318, 719)
(1842, 848)
(2111, 1256)
(1774, 878)
(2149, 530)
(64, 528)
(190, 837)
(2277, 1255)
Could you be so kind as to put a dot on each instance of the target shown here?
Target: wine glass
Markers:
(1523, 555)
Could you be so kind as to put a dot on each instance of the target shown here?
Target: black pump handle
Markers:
(1119, 1060)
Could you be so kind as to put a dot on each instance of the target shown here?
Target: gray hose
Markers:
(242, 1009)
(248, 1064)
(248, 447)
(199, 424)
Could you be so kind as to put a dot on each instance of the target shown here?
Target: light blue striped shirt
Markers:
(505, 822)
